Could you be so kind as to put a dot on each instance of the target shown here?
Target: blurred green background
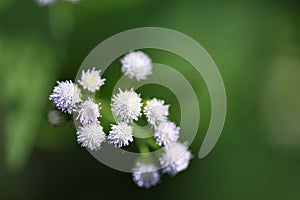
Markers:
(255, 44)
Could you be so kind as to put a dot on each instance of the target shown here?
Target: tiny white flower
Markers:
(166, 133)
(137, 65)
(88, 112)
(156, 112)
(91, 136)
(45, 2)
(120, 135)
(54, 117)
(65, 96)
(175, 158)
(91, 80)
(49, 2)
(145, 175)
(126, 105)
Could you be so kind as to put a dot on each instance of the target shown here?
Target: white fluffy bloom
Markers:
(91, 80)
(49, 2)
(175, 158)
(54, 117)
(45, 2)
(145, 175)
(137, 65)
(126, 105)
(120, 135)
(65, 96)
(156, 112)
(91, 136)
(88, 112)
(166, 133)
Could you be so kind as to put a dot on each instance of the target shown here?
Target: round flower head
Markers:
(137, 65)
(88, 112)
(166, 133)
(126, 105)
(49, 2)
(175, 158)
(91, 80)
(45, 2)
(65, 96)
(54, 117)
(145, 175)
(156, 112)
(120, 135)
(90, 136)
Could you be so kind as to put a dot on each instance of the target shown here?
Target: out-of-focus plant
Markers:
(27, 68)
(28, 65)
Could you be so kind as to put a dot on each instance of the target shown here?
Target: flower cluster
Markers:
(175, 157)
(67, 98)
(127, 106)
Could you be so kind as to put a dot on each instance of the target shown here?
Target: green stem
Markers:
(152, 143)
(142, 146)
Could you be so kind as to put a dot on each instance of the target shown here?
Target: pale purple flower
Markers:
(91, 136)
(126, 106)
(137, 65)
(176, 158)
(65, 96)
(156, 112)
(54, 117)
(50, 2)
(145, 175)
(91, 80)
(166, 133)
(120, 135)
(88, 112)
(45, 2)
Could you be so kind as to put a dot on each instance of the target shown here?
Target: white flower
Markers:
(91, 136)
(88, 112)
(120, 135)
(166, 133)
(91, 80)
(126, 105)
(145, 175)
(45, 2)
(175, 158)
(65, 96)
(137, 65)
(54, 117)
(156, 112)
(49, 2)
